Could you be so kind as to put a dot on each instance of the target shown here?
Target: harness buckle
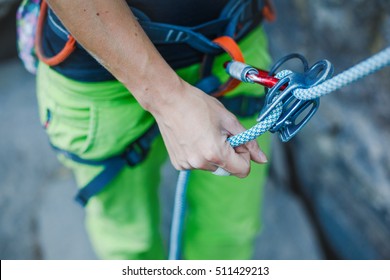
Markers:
(134, 154)
(137, 151)
(295, 112)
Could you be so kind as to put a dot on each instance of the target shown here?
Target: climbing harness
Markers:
(236, 19)
(289, 97)
(42, 35)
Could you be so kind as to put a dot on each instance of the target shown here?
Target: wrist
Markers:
(160, 97)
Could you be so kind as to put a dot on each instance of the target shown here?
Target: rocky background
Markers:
(339, 164)
(329, 191)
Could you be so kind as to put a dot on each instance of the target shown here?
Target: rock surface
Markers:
(340, 162)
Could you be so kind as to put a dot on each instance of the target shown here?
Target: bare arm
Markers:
(194, 125)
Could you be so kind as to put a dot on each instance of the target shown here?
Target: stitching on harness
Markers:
(169, 35)
(178, 36)
(56, 25)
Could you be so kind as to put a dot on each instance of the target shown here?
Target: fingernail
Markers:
(263, 157)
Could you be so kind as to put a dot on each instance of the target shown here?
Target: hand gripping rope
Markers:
(291, 101)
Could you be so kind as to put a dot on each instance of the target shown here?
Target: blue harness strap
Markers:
(180, 46)
(133, 155)
(112, 167)
(235, 20)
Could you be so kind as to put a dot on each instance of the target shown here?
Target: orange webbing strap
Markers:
(230, 46)
(269, 11)
(63, 54)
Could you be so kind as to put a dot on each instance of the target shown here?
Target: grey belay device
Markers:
(280, 90)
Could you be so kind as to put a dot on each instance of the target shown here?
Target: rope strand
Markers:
(364, 68)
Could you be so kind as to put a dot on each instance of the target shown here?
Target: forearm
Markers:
(109, 32)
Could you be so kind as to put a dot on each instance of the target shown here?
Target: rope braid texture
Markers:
(364, 68)
(368, 66)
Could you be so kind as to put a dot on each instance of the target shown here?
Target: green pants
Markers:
(98, 120)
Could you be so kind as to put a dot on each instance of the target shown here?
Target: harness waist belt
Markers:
(180, 46)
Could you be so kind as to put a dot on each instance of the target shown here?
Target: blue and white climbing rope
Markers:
(364, 68)
(178, 215)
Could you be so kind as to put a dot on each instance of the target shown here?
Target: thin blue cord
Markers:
(178, 215)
